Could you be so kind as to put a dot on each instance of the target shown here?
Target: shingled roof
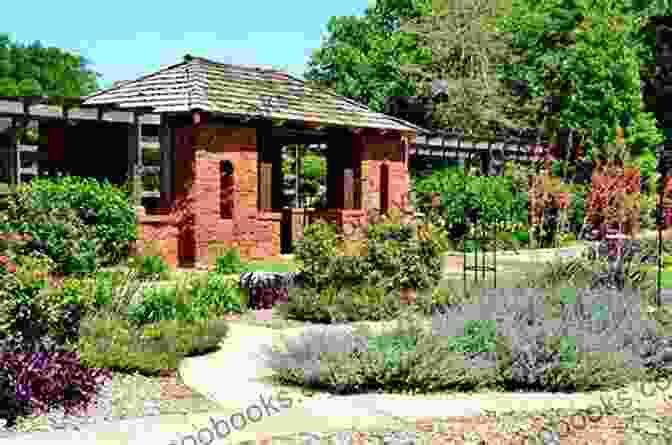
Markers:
(201, 84)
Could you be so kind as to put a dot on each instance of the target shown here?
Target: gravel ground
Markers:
(124, 397)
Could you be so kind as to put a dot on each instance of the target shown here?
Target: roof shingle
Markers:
(201, 84)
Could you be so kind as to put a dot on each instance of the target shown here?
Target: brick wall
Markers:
(200, 229)
(379, 150)
(204, 230)
(158, 234)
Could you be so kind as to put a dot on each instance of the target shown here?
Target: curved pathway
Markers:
(234, 379)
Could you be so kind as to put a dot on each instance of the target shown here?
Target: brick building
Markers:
(221, 130)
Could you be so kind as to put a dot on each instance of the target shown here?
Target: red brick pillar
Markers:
(183, 204)
(239, 226)
(385, 167)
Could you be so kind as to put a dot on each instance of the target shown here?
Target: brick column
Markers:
(384, 168)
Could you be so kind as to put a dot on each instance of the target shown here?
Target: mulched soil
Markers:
(172, 388)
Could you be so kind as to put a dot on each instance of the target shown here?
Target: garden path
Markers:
(234, 378)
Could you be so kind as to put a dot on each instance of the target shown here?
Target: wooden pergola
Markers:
(71, 110)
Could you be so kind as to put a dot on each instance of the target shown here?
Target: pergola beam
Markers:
(65, 105)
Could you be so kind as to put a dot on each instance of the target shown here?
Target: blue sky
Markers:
(126, 39)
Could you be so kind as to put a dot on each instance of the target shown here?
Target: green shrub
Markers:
(124, 287)
(25, 286)
(479, 337)
(104, 291)
(420, 266)
(648, 163)
(150, 267)
(229, 263)
(450, 294)
(102, 205)
(315, 252)
(158, 304)
(577, 208)
(404, 256)
(194, 298)
(395, 256)
(215, 295)
(411, 359)
(495, 196)
(522, 236)
(405, 359)
(55, 301)
(57, 232)
(647, 208)
(116, 344)
(567, 239)
(392, 347)
(333, 305)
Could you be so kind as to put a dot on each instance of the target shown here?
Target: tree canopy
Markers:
(502, 63)
(27, 70)
(466, 49)
(361, 57)
(596, 70)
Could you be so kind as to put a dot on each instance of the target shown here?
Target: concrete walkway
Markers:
(251, 406)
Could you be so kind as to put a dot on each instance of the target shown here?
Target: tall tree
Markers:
(36, 70)
(602, 66)
(466, 48)
(361, 57)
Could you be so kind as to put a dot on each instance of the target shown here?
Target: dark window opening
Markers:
(226, 186)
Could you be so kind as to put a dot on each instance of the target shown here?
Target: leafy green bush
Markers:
(334, 305)
(118, 345)
(215, 295)
(124, 288)
(647, 208)
(150, 267)
(57, 232)
(392, 347)
(577, 208)
(394, 256)
(229, 263)
(100, 204)
(648, 163)
(104, 291)
(315, 252)
(194, 298)
(158, 304)
(479, 337)
(20, 287)
(495, 196)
